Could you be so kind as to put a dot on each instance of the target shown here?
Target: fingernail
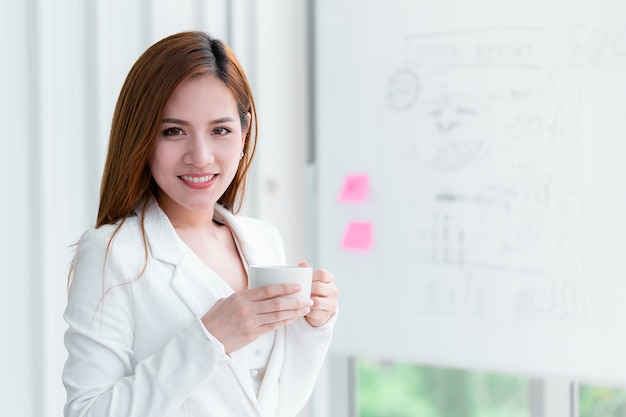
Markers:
(296, 287)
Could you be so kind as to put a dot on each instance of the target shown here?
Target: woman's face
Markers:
(198, 145)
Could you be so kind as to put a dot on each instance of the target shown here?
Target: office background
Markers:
(64, 63)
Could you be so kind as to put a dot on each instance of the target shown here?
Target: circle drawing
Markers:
(402, 89)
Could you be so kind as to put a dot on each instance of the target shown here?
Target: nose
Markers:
(199, 152)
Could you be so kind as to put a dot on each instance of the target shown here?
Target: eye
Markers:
(221, 131)
(173, 131)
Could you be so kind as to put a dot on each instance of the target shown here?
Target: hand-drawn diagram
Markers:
(402, 90)
(448, 132)
(487, 132)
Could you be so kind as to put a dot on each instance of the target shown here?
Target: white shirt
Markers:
(258, 354)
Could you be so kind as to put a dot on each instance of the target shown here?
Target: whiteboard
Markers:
(471, 182)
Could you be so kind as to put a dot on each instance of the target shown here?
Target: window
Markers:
(597, 401)
(392, 389)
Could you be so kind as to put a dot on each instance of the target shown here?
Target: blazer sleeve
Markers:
(99, 375)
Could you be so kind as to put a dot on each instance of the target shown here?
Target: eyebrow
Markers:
(185, 123)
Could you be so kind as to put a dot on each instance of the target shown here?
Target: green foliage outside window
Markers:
(388, 389)
(594, 401)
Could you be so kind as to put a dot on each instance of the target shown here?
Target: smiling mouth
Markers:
(197, 180)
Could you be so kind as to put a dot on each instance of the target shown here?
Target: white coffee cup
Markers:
(262, 275)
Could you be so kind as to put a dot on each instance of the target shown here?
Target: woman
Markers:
(161, 322)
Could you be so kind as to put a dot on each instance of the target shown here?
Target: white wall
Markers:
(280, 83)
(63, 64)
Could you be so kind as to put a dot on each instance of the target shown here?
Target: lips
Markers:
(197, 179)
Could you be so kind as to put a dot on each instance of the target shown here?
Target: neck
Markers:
(183, 218)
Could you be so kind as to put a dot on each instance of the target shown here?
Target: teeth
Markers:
(206, 178)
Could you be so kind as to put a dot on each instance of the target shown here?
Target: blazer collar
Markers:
(250, 249)
(166, 246)
(162, 239)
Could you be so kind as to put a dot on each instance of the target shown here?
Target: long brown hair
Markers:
(127, 180)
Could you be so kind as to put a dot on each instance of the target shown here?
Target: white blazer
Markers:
(136, 345)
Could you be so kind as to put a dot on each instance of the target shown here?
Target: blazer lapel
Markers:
(192, 280)
(253, 238)
(199, 287)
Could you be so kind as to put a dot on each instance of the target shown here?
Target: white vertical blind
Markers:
(18, 177)
(66, 183)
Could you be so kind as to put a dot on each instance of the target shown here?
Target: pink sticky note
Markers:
(355, 188)
(358, 236)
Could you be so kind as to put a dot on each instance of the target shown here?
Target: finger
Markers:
(319, 289)
(281, 315)
(265, 328)
(319, 315)
(323, 275)
(324, 289)
(304, 263)
(323, 304)
(280, 304)
(322, 308)
(272, 291)
(318, 318)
